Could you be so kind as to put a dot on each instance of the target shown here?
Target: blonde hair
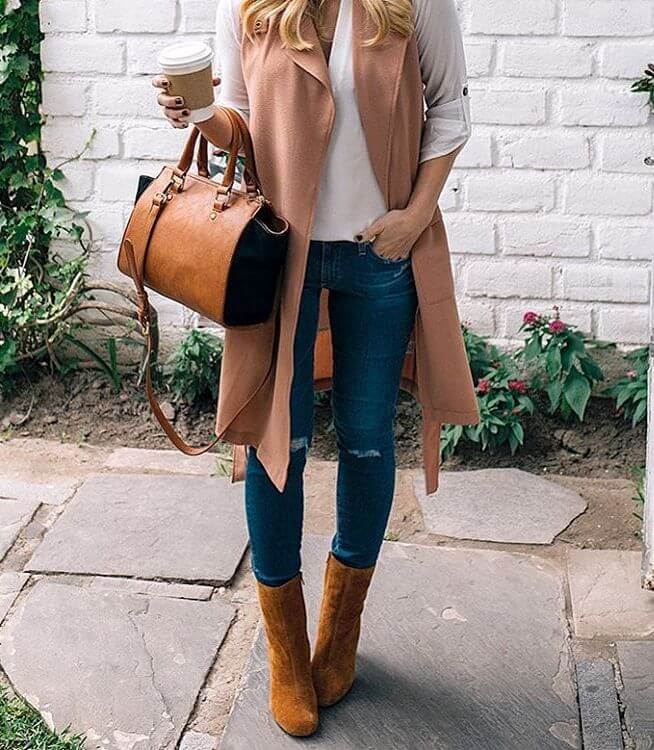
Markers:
(387, 16)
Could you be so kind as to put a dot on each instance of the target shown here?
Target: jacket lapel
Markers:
(311, 60)
(377, 75)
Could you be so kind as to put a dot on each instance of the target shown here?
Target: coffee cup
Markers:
(187, 66)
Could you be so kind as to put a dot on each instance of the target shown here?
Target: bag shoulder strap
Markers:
(240, 138)
(143, 312)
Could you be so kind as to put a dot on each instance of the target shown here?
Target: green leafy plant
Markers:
(35, 284)
(195, 367)
(45, 298)
(639, 498)
(646, 84)
(502, 398)
(107, 365)
(630, 392)
(504, 402)
(481, 353)
(560, 364)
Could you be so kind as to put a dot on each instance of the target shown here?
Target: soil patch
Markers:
(85, 409)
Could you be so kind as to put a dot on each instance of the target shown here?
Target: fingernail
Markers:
(358, 237)
(179, 101)
(186, 112)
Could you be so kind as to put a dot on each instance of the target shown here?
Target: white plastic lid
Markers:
(186, 57)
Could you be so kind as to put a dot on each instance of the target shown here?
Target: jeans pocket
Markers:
(382, 259)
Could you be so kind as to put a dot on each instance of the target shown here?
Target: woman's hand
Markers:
(395, 233)
(174, 107)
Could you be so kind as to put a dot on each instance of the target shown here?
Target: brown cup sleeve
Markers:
(195, 88)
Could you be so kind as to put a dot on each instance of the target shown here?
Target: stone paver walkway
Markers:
(637, 671)
(15, 514)
(122, 668)
(123, 571)
(163, 527)
(498, 505)
(461, 650)
(607, 599)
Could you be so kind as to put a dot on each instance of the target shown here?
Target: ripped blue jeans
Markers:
(372, 306)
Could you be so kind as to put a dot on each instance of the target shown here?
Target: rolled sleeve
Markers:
(447, 127)
(443, 67)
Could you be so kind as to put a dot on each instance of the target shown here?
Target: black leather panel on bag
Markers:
(144, 183)
(255, 271)
(254, 275)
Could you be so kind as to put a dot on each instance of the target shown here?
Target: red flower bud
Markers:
(483, 386)
(556, 326)
(519, 386)
(530, 318)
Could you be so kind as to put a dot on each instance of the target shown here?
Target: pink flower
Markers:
(483, 386)
(556, 326)
(530, 318)
(631, 374)
(519, 386)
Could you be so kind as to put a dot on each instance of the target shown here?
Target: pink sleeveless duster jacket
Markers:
(291, 118)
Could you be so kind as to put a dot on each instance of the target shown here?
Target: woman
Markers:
(335, 94)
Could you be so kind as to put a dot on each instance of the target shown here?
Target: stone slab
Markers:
(152, 588)
(460, 650)
(598, 702)
(607, 599)
(637, 670)
(498, 505)
(161, 461)
(14, 516)
(11, 584)
(187, 529)
(48, 493)
(197, 741)
(124, 670)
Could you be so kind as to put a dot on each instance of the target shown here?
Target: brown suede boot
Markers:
(334, 657)
(292, 695)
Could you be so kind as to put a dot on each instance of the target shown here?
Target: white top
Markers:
(349, 198)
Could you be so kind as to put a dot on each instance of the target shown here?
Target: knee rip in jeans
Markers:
(299, 444)
(368, 453)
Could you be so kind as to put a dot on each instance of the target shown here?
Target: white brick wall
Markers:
(550, 202)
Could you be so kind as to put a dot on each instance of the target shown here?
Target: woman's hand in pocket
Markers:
(394, 234)
(174, 107)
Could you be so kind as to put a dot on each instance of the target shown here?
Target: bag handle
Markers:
(186, 159)
(143, 312)
(250, 171)
(240, 139)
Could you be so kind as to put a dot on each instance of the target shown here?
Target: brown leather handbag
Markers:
(212, 247)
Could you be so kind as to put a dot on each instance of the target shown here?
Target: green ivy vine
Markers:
(35, 283)
(45, 299)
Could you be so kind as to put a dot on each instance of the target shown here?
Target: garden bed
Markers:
(85, 408)
(597, 456)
